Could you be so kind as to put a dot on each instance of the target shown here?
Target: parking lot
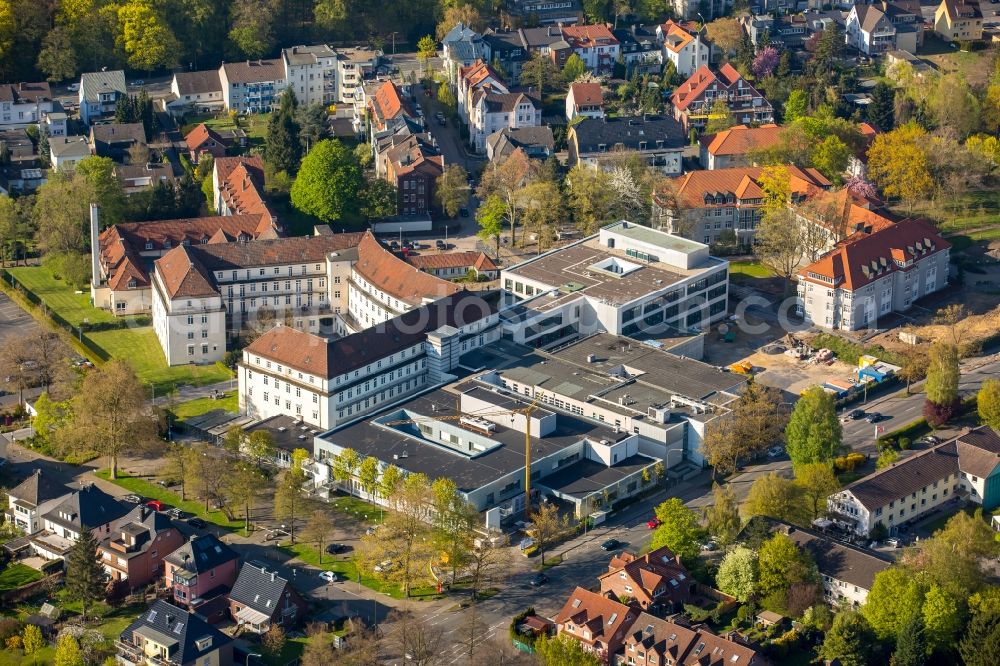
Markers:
(14, 321)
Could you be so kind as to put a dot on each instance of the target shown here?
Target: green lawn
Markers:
(46, 655)
(353, 507)
(290, 654)
(200, 406)
(141, 349)
(59, 296)
(151, 490)
(750, 269)
(971, 210)
(255, 126)
(17, 575)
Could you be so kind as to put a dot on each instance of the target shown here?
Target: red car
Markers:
(156, 505)
(653, 523)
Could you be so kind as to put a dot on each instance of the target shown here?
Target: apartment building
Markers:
(702, 205)
(962, 469)
(134, 553)
(958, 21)
(353, 66)
(88, 507)
(731, 147)
(877, 29)
(653, 641)
(693, 100)
(200, 571)
(461, 47)
(29, 500)
(656, 581)
(477, 77)
(657, 140)
(598, 622)
(517, 13)
(389, 111)
(311, 72)
(622, 281)
(683, 45)
(595, 44)
(24, 103)
(871, 274)
(253, 86)
(491, 111)
(412, 164)
(198, 92)
(327, 382)
(165, 635)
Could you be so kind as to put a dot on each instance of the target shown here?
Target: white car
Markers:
(384, 565)
(329, 576)
(73, 87)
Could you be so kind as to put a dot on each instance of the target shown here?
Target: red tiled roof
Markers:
(197, 137)
(588, 36)
(390, 274)
(688, 646)
(743, 183)
(740, 139)
(182, 276)
(241, 182)
(692, 89)
(649, 571)
(594, 612)
(387, 103)
(586, 94)
(680, 36)
(468, 259)
(866, 257)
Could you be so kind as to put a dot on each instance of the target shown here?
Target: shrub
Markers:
(937, 415)
(904, 443)
(849, 462)
(10, 627)
(14, 643)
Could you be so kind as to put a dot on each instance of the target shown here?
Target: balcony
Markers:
(132, 655)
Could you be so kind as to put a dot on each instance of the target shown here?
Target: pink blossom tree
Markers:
(765, 62)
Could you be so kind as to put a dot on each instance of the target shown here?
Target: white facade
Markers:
(253, 95)
(65, 152)
(190, 330)
(14, 113)
(686, 52)
(201, 102)
(312, 73)
(900, 510)
(871, 35)
(490, 114)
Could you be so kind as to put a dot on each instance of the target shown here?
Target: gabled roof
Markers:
(978, 451)
(192, 638)
(38, 489)
(87, 507)
(742, 182)
(414, 154)
(501, 102)
(142, 523)
(112, 133)
(588, 36)
(241, 183)
(259, 588)
(586, 94)
(961, 11)
(254, 71)
(69, 146)
(869, 17)
(468, 259)
(25, 93)
(387, 103)
(196, 83)
(649, 572)
(197, 137)
(476, 73)
(866, 257)
(390, 274)
(601, 615)
(629, 132)
(905, 477)
(675, 36)
(94, 84)
(505, 141)
(460, 33)
(739, 140)
(183, 276)
(307, 55)
(689, 646)
(696, 85)
(202, 553)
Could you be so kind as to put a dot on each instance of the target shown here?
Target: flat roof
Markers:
(642, 234)
(406, 450)
(288, 433)
(571, 271)
(585, 477)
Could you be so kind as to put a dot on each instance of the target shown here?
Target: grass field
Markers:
(17, 575)
(750, 269)
(199, 406)
(255, 126)
(151, 490)
(59, 296)
(972, 210)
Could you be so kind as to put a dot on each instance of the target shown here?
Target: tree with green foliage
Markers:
(781, 564)
(563, 650)
(757, 421)
(242, 485)
(252, 30)
(849, 641)
(719, 117)
(722, 518)
(452, 190)
(389, 482)
(446, 98)
(899, 163)
(345, 466)
(145, 35)
(775, 496)
(894, 597)
(574, 68)
(737, 575)
(490, 215)
(259, 447)
(541, 73)
(679, 529)
(831, 157)
(282, 145)
(68, 652)
(368, 473)
(312, 121)
(426, 49)
(816, 481)
(943, 618)
(830, 46)
(941, 388)
(379, 199)
(911, 647)
(57, 58)
(988, 403)
(84, 573)
(796, 106)
(290, 499)
(980, 644)
(329, 182)
(317, 530)
(886, 458)
(454, 524)
(881, 110)
(32, 640)
(814, 433)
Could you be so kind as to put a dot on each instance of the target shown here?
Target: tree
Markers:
(888, 456)
(505, 180)
(252, 30)
(540, 73)
(796, 106)
(274, 640)
(487, 566)
(317, 530)
(208, 471)
(446, 98)
(765, 62)
(814, 433)
(454, 521)
(816, 482)
(719, 117)
(68, 652)
(259, 447)
(283, 147)
(426, 49)
(145, 36)
(942, 374)
(466, 14)
(110, 414)
(368, 472)
(547, 526)
(911, 648)
(574, 68)
(914, 367)
(451, 189)
(756, 422)
(312, 122)
(980, 646)
(679, 529)
(898, 163)
(242, 486)
(782, 564)
(328, 182)
(32, 640)
(57, 58)
(490, 216)
(776, 497)
(958, 110)
(723, 518)
(564, 650)
(542, 205)
(988, 403)
(831, 158)
(942, 618)
(849, 641)
(345, 465)
(894, 597)
(391, 478)
(830, 46)
(179, 465)
(881, 109)
(737, 574)
(402, 538)
(726, 34)
(589, 197)
(319, 650)
(84, 573)
(290, 500)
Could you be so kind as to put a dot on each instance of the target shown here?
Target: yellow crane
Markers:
(526, 411)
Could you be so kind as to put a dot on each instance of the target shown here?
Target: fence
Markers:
(9, 598)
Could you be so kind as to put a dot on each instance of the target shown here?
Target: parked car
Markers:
(336, 548)
(463, 211)
(892, 542)
(134, 499)
(440, 244)
(197, 523)
(329, 576)
(611, 544)
(709, 546)
(929, 440)
(653, 523)
(874, 417)
(856, 414)
(775, 451)
(154, 504)
(539, 579)
(138, 82)
(175, 513)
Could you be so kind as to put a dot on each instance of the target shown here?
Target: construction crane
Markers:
(526, 411)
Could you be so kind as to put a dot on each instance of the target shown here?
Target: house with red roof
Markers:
(585, 99)
(599, 622)
(412, 164)
(693, 100)
(595, 44)
(730, 148)
(657, 580)
(206, 140)
(388, 109)
(476, 77)
(875, 271)
(683, 46)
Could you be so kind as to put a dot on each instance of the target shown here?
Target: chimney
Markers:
(95, 245)
(272, 576)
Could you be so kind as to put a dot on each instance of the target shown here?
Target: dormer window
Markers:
(149, 245)
(166, 244)
(602, 147)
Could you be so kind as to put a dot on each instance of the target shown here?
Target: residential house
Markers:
(787, 32)
(55, 123)
(311, 72)
(857, 164)
(205, 140)
(24, 103)
(451, 265)
(656, 581)
(492, 111)
(658, 140)
(683, 46)
(585, 99)
(196, 92)
(511, 48)
(958, 21)
(848, 572)
(870, 31)
(599, 622)
(99, 94)
(472, 79)
(828, 218)
(29, 500)
(872, 273)
(15, 179)
(654, 641)
(238, 183)
(66, 151)
(536, 142)
(165, 635)
(139, 177)
(639, 49)
(114, 140)
(965, 468)
(134, 552)
(17, 145)
(694, 100)
(730, 148)
(200, 571)
(261, 599)
(87, 508)
(353, 66)
(461, 47)
(690, 9)
(253, 86)
(518, 13)
(595, 44)
(388, 110)
(413, 166)
(702, 205)
(909, 22)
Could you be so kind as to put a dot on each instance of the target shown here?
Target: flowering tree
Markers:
(860, 187)
(765, 62)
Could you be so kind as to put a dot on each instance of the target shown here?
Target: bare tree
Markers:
(487, 566)
(547, 526)
(317, 530)
(418, 640)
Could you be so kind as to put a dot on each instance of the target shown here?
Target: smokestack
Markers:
(95, 246)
